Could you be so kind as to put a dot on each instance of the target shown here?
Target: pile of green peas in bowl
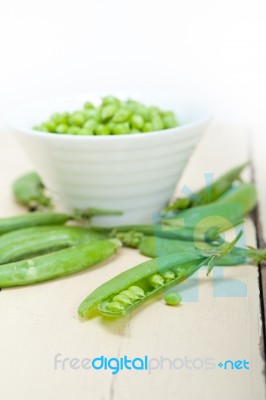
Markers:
(112, 117)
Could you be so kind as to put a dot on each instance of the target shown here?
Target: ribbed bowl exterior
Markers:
(136, 174)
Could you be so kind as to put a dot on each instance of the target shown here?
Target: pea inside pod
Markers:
(142, 282)
(149, 287)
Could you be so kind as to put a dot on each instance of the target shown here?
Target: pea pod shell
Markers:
(32, 219)
(231, 209)
(131, 277)
(31, 242)
(210, 193)
(156, 247)
(28, 190)
(185, 271)
(56, 265)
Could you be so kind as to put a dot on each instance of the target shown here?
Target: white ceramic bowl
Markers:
(134, 173)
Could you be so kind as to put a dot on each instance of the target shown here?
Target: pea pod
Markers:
(49, 218)
(211, 192)
(31, 242)
(219, 216)
(151, 246)
(56, 265)
(131, 288)
(32, 219)
(29, 191)
(202, 223)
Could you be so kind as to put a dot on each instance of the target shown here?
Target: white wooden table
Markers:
(40, 321)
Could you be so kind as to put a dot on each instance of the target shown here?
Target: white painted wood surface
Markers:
(41, 321)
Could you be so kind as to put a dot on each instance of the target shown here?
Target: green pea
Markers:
(111, 126)
(88, 105)
(57, 119)
(147, 127)
(77, 118)
(137, 121)
(90, 124)
(134, 130)
(134, 105)
(114, 116)
(156, 280)
(65, 117)
(154, 110)
(121, 129)
(169, 120)
(115, 306)
(102, 130)
(108, 111)
(132, 296)
(168, 114)
(157, 123)
(120, 298)
(110, 100)
(143, 111)
(168, 275)
(121, 115)
(50, 125)
(129, 239)
(137, 291)
(91, 114)
(41, 128)
(173, 298)
(85, 131)
(62, 128)
(74, 130)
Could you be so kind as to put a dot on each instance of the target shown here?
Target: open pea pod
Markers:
(127, 300)
(131, 288)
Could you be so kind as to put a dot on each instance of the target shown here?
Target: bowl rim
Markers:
(10, 121)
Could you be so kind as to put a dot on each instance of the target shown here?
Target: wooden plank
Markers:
(40, 321)
(258, 174)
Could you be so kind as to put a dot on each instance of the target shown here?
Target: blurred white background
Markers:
(213, 49)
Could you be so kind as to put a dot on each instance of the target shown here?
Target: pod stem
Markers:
(222, 251)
